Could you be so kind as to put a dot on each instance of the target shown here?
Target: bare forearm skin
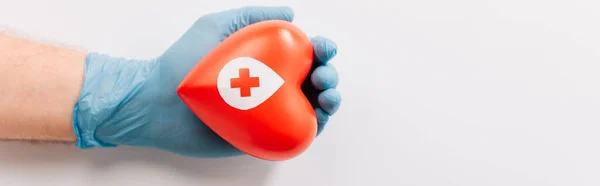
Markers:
(39, 85)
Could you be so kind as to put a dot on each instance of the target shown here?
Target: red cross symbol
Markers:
(244, 82)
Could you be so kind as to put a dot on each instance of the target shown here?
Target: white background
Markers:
(436, 93)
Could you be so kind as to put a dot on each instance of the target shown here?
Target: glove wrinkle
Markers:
(109, 84)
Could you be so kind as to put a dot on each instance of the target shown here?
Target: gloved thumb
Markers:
(245, 16)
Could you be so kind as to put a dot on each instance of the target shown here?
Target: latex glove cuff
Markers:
(109, 85)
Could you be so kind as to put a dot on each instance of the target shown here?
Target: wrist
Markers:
(110, 84)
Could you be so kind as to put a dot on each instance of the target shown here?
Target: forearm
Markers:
(39, 85)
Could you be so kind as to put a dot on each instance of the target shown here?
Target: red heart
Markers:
(248, 91)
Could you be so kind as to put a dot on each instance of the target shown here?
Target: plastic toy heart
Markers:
(247, 90)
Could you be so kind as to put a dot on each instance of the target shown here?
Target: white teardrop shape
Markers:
(254, 83)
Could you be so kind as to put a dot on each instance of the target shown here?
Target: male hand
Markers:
(133, 102)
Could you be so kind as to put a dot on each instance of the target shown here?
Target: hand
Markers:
(133, 102)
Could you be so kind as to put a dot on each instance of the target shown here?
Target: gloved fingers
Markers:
(322, 118)
(325, 77)
(252, 14)
(258, 14)
(324, 49)
(329, 100)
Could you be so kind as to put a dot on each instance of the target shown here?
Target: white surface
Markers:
(436, 93)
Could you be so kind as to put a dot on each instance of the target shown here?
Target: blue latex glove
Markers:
(133, 102)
